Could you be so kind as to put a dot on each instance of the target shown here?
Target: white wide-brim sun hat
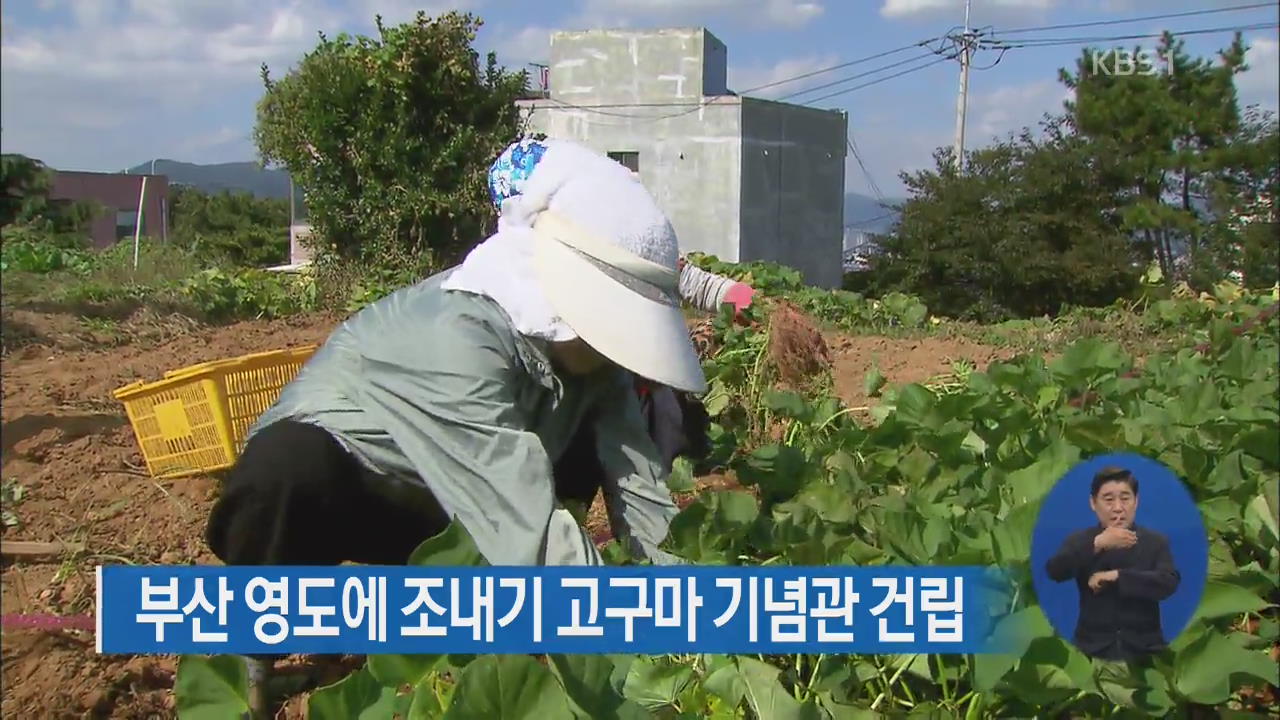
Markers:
(624, 306)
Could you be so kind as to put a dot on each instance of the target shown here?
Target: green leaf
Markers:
(727, 683)
(1013, 633)
(915, 406)
(211, 688)
(681, 477)
(915, 464)
(874, 383)
(427, 704)
(779, 471)
(1205, 668)
(1265, 515)
(1264, 444)
(765, 695)
(653, 685)
(397, 670)
(717, 399)
(507, 687)
(841, 711)
(356, 697)
(589, 682)
(452, 548)
(1031, 483)
(1089, 358)
(1226, 600)
(1011, 538)
(1094, 433)
(787, 404)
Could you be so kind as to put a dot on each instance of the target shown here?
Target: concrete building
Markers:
(118, 196)
(741, 178)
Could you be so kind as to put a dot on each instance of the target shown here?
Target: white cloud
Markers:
(515, 47)
(1010, 108)
(981, 10)
(891, 141)
(744, 78)
(118, 82)
(221, 138)
(887, 150)
(1260, 84)
(759, 13)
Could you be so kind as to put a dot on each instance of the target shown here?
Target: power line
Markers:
(880, 80)
(999, 57)
(1122, 21)
(1051, 42)
(868, 221)
(853, 147)
(841, 66)
(856, 76)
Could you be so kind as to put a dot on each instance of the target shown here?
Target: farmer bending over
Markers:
(449, 399)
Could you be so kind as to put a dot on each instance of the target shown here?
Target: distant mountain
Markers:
(869, 215)
(235, 176)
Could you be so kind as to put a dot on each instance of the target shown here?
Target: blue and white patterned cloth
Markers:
(510, 172)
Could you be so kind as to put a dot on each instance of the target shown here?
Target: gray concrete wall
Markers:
(793, 188)
(690, 161)
(629, 66)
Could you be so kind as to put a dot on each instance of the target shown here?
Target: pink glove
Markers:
(739, 296)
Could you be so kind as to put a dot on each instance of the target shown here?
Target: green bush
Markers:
(247, 293)
(26, 248)
(390, 136)
(840, 308)
(231, 228)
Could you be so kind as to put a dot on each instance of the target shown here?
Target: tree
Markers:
(27, 183)
(1168, 129)
(389, 137)
(231, 226)
(1029, 227)
(1246, 238)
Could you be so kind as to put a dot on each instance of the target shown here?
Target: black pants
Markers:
(297, 497)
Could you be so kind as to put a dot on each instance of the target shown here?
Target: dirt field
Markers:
(67, 443)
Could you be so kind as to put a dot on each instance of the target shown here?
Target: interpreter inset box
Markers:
(1119, 557)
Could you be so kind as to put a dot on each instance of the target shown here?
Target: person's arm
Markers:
(707, 291)
(636, 497)
(1155, 583)
(1071, 559)
(449, 396)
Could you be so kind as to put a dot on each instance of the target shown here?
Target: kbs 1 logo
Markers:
(1122, 62)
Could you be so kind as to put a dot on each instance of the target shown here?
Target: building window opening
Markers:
(126, 222)
(630, 160)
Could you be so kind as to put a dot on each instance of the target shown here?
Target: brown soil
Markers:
(902, 361)
(796, 347)
(67, 442)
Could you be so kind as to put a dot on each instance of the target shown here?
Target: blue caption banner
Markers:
(517, 610)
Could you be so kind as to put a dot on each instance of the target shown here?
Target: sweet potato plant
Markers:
(939, 477)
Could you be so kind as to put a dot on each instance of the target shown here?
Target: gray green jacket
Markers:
(436, 387)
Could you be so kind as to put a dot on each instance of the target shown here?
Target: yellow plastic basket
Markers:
(194, 421)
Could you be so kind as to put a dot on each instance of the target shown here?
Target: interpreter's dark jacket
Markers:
(1122, 620)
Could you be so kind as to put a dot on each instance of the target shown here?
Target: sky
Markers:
(107, 84)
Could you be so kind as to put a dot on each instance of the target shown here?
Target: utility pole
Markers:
(962, 104)
(544, 76)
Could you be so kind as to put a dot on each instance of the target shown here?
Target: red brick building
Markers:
(119, 195)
